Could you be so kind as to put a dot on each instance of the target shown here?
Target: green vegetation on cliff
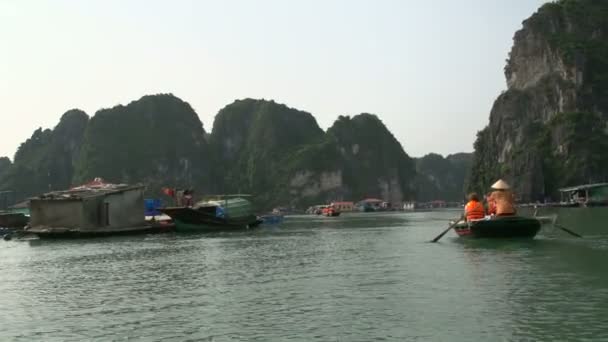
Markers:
(282, 156)
(374, 162)
(442, 178)
(46, 160)
(157, 140)
(276, 153)
(251, 140)
(5, 164)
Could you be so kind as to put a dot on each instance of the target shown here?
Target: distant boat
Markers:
(330, 211)
(272, 219)
(583, 208)
(222, 214)
(499, 227)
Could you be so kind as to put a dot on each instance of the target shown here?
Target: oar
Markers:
(567, 230)
(447, 230)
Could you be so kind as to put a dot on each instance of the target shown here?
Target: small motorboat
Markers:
(271, 219)
(499, 227)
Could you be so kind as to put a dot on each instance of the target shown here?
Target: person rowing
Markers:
(503, 198)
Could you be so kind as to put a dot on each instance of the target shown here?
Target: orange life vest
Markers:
(474, 210)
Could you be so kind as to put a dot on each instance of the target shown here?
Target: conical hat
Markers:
(500, 185)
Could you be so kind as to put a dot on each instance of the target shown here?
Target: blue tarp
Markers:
(151, 206)
(219, 212)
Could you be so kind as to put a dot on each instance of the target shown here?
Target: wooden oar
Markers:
(567, 230)
(447, 230)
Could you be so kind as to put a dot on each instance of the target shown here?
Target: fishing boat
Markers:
(13, 220)
(499, 227)
(233, 212)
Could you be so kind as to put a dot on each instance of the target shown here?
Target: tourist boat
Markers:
(212, 215)
(499, 227)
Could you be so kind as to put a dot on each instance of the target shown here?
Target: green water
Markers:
(359, 277)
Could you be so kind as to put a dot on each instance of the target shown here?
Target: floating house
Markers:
(95, 208)
(585, 195)
(343, 206)
(372, 204)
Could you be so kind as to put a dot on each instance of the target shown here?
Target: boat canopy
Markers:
(583, 187)
(587, 194)
(228, 207)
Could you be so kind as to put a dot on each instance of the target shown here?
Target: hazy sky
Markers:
(429, 69)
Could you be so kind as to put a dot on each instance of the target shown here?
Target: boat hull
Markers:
(13, 220)
(67, 233)
(500, 227)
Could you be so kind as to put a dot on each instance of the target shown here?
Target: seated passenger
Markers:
(474, 209)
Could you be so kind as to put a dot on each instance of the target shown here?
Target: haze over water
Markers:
(358, 277)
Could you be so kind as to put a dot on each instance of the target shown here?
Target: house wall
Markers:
(93, 214)
(56, 213)
(126, 209)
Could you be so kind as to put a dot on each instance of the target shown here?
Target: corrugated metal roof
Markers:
(92, 189)
(583, 187)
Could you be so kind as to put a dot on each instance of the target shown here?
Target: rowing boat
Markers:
(499, 227)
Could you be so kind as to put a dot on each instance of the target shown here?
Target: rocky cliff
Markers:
(278, 154)
(549, 128)
(357, 158)
(440, 178)
(157, 140)
(281, 155)
(46, 160)
(5, 164)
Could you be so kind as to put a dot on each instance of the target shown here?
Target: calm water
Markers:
(361, 277)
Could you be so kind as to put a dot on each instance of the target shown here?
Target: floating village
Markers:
(99, 208)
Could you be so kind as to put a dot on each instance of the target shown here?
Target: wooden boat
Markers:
(13, 220)
(227, 214)
(499, 227)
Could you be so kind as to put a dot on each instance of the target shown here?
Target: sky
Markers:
(429, 69)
